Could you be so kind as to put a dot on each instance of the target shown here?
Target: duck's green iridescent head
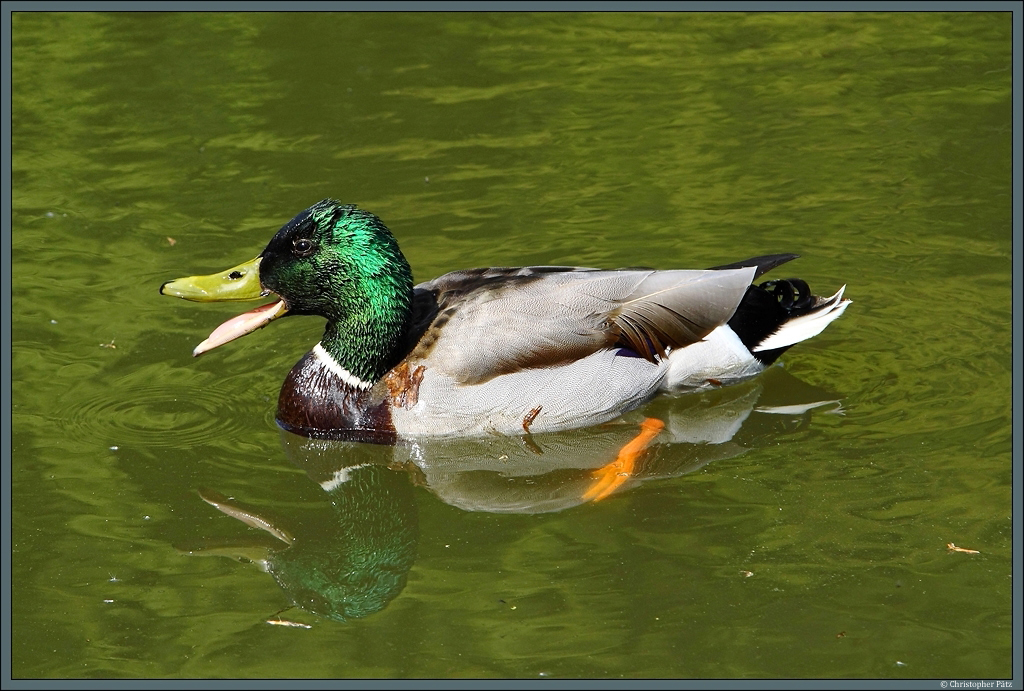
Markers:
(334, 260)
(331, 260)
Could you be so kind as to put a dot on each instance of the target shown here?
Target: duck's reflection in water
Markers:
(350, 557)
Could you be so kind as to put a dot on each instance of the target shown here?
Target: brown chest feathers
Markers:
(316, 402)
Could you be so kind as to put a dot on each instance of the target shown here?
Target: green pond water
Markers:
(757, 541)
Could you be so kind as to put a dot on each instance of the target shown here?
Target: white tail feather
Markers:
(806, 326)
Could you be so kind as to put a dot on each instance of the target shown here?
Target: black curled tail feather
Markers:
(793, 294)
(766, 307)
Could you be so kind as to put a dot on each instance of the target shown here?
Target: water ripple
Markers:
(153, 415)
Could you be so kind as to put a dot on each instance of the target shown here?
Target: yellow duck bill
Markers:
(241, 282)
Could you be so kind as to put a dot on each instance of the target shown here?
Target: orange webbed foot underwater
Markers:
(612, 476)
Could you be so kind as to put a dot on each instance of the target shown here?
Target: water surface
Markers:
(149, 146)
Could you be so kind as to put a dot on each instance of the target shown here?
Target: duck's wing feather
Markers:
(480, 323)
(763, 264)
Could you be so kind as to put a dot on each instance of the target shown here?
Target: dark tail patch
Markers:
(766, 307)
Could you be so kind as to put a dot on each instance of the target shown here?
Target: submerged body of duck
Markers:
(497, 350)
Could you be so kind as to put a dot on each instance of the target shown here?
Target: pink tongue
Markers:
(241, 325)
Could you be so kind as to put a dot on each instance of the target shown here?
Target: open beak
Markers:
(238, 283)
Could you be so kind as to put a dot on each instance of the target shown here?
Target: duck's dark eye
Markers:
(302, 247)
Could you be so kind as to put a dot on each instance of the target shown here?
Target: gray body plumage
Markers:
(545, 350)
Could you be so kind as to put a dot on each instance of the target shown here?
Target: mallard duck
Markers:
(497, 350)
